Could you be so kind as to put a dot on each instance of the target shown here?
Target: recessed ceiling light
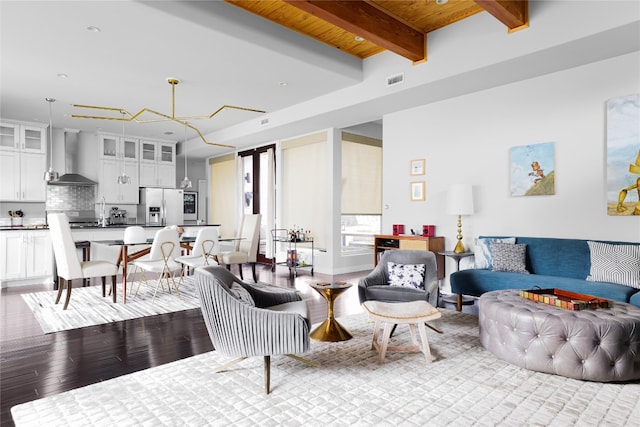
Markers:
(361, 39)
(93, 29)
(283, 83)
(168, 132)
(63, 75)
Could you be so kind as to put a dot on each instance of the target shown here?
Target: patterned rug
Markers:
(464, 386)
(87, 307)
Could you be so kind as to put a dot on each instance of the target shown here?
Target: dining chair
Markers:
(69, 265)
(205, 248)
(134, 234)
(246, 250)
(161, 261)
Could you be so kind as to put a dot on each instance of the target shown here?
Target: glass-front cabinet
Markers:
(157, 164)
(117, 147)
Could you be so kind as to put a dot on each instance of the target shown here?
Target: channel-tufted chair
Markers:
(246, 320)
(375, 286)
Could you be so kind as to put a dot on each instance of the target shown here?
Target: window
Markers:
(361, 190)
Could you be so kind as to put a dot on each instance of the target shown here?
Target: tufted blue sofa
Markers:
(553, 263)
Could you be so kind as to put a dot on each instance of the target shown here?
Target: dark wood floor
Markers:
(34, 365)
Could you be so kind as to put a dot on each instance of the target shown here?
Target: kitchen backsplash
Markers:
(70, 198)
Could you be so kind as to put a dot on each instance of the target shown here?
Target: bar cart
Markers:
(281, 236)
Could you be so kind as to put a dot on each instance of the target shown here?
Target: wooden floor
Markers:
(34, 365)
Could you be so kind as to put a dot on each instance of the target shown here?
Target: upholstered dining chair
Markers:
(246, 250)
(69, 265)
(377, 285)
(205, 248)
(244, 320)
(161, 261)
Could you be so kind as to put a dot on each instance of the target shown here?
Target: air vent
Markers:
(264, 122)
(395, 79)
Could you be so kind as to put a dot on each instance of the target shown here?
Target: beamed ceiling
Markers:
(366, 27)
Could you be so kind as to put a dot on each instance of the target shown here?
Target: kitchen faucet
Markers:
(103, 214)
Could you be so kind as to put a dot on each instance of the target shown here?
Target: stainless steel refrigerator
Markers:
(160, 206)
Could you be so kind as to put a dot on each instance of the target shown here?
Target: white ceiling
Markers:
(221, 54)
(224, 55)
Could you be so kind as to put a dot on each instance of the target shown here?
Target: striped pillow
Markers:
(618, 264)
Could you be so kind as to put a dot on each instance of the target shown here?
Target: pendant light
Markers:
(50, 175)
(186, 182)
(123, 178)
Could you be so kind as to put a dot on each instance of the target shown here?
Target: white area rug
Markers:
(464, 386)
(87, 307)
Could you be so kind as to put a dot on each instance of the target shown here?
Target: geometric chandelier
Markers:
(128, 117)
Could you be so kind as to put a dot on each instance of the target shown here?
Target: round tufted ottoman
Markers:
(595, 345)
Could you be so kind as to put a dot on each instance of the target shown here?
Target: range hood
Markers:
(71, 175)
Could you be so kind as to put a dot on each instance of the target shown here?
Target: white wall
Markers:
(468, 140)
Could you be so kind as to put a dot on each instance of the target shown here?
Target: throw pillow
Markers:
(406, 275)
(242, 294)
(482, 250)
(509, 257)
(618, 264)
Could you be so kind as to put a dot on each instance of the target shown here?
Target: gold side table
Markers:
(330, 329)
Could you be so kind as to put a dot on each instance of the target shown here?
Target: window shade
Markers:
(361, 175)
(305, 185)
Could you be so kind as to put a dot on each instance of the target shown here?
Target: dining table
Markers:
(124, 257)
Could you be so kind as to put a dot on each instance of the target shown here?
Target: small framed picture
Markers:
(417, 191)
(417, 167)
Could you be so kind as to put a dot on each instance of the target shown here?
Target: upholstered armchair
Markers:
(376, 286)
(246, 320)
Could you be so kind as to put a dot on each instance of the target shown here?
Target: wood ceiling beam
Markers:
(371, 23)
(512, 13)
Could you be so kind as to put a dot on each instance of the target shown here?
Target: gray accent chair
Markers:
(277, 324)
(375, 286)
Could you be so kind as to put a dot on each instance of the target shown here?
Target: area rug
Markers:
(464, 386)
(88, 307)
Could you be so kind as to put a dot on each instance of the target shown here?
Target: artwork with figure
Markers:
(623, 155)
(532, 170)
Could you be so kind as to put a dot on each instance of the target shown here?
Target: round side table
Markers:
(458, 300)
(330, 329)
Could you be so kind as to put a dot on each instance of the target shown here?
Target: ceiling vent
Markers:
(396, 79)
(264, 121)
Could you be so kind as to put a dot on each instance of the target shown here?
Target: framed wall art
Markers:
(417, 191)
(623, 155)
(533, 170)
(417, 167)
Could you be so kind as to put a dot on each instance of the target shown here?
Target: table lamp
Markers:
(460, 202)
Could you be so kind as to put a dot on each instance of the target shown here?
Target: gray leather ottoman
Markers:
(595, 345)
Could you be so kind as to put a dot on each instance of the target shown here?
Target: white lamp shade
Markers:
(460, 199)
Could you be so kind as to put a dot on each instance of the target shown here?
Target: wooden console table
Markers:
(385, 242)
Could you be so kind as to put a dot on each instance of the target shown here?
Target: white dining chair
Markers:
(69, 265)
(134, 234)
(205, 249)
(246, 250)
(161, 261)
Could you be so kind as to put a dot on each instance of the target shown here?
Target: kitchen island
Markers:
(26, 255)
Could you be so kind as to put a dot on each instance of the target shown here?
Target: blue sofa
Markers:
(553, 263)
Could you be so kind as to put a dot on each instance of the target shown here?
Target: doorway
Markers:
(258, 178)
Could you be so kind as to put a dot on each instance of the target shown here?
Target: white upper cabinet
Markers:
(118, 148)
(23, 161)
(157, 164)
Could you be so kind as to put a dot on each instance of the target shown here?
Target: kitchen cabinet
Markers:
(25, 255)
(114, 147)
(23, 161)
(108, 186)
(157, 164)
